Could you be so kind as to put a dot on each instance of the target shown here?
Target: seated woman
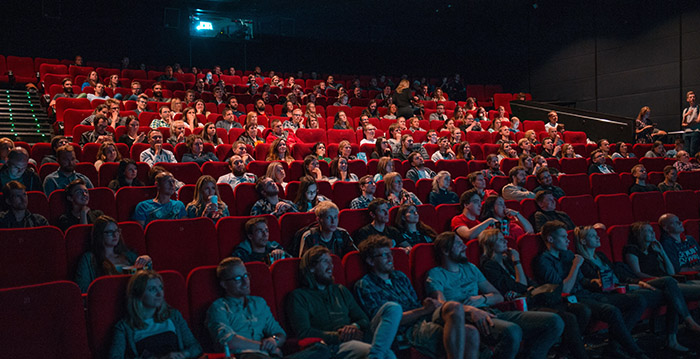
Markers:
(505, 150)
(319, 150)
(209, 135)
(345, 151)
(341, 121)
(501, 266)
(279, 151)
(107, 254)
(275, 170)
(287, 109)
(413, 230)
(540, 162)
(384, 166)
(604, 273)
(382, 148)
(414, 123)
(200, 109)
(449, 125)
(657, 150)
(391, 112)
(151, 327)
(459, 115)
(132, 134)
(189, 116)
(509, 221)
(622, 151)
(495, 126)
(177, 133)
(478, 180)
(395, 193)
(567, 151)
(126, 175)
(307, 197)
(455, 136)
(311, 122)
(645, 131)
(441, 193)
(311, 112)
(464, 151)
(532, 137)
(77, 210)
(107, 152)
(196, 154)
(311, 168)
(250, 136)
(339, 171)
(501, 115)
(526, 162)
(207, 201)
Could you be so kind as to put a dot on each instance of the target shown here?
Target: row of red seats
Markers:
(105, 300)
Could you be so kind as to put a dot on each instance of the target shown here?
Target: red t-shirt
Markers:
(462, 220)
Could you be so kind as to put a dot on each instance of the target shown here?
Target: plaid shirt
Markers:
(360, 202)
(372, 292)
(263, 206)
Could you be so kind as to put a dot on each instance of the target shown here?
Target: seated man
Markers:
(17, 216)
(516, 190)
(544, 178)
(445, 151)
(17, 169)
(296, 122)
(327, 234)
(493, 167)
(233, 105)
(167, 75)
(141, 104)
(65, 173)
(547, 211)
(238, 174)
(161, 207)
(158, 93)
(467, 225)
(228, 120)
(269, 202)
(428, 326)
(458, 280)
(639, 172)
(99, 134)
(278, 132)
(367, 187)
(241, 149)
(549, 149)
(598, 164)
(67, 84)
(418, 169)
(439, 114)
(156, 153)
(379, 211)
(239, 321)
(681, 249)
(323, 309)
(135, 92)
(558, 265)
(257, 246)
(405, 148)
(164, 120)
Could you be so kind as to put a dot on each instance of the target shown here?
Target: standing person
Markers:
(691, 124)
(403, 100)
(323, 309)
(455, 279)
(428, 326)
(151, 327)
(161, 207)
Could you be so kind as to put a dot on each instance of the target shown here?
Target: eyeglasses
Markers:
(238, 278)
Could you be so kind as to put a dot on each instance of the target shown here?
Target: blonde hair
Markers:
(134, 306)
(389, 180)
(487, 240)
(580, 234)
(439, 177)
(404, 84)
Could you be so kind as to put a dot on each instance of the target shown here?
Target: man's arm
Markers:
(299, 316)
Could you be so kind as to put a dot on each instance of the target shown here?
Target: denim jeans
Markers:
(537, 330)
(384, 326)
(604, 307)
(692, 142)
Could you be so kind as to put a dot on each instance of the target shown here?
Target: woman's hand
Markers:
(142, 261)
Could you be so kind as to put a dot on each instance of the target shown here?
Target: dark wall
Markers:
(616, 58)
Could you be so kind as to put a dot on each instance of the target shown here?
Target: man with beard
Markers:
(17, 215)
(516, 188)
(135, 91)
(156, 153)
(323, 309)
(238, 174)
(233, 105)
(67, 92)
(65, 173)
(158, 93)
(257, 246)
(168, 75)
(639, 172)
(260, 108)
(99, 134)
(422, 324)
(418, 169)
(269, 202)
(458, 280)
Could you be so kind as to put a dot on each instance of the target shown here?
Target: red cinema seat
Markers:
(618, 236)
(245, 196)
(456, 168)
(574, 137)
(336, 136)
(423, 188)
(301, 150)
(683, 204)
(498, 182)
(57, 69)
(260, 152)
(606, 183)
(215, 169)
(508, 163)
(31, 255)
(23, 69)
(311, 136)
(692, 227)
(574, 165)
(529, 246)
(648, 206)
(290, 224)
(474, 252)
(352, 219)
(689, 180)
(537, 126)
(128, 197)
(655, 164)
(445, 213)
(37, 203)
(614, 209)
(231, 232)
(189, 243)
(188, 172)
(345, 192)
(43, 321)
(355, 268)
(575, 184)
(136, 150)
(582, 209)
(478, 137)
(64, 103)
(477, 165)
(421, 260)
(106, 305)
(528, 207)
(625, 164)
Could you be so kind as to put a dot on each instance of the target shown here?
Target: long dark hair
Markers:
(103, 265)
(300, 200)
(400, 222)
(123, 164)
(487, 209)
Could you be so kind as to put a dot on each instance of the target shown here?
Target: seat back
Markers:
(290, 224)
(614, 209)
(606, 183)
(43, 321)
(575, 184)
(128, 197)
(421, 260)
(648, 206)
(182, 244)
(529, 246)
(683, 204)
(31, 255)
(574, 165)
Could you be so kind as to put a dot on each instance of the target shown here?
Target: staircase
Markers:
(22, 118)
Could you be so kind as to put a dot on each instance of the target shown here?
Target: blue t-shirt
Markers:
(150, 210)
(457, 286)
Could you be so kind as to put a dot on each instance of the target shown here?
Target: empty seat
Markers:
(625, 164)
(421, 260)
(529, 246)
(573, 165)
(606, 183)
(344, 193)
(352, 219)
(689, 180)
(683, 204)
(43, 321)
(582, 209)
(188, 172)
(574, 184)
(614, 209)
(189, 243)
(245, 196)
(648, 206)
(31, 255)
(445, 213)
(653, 164)
(574, 137)
(311, 136)
(618, 236)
